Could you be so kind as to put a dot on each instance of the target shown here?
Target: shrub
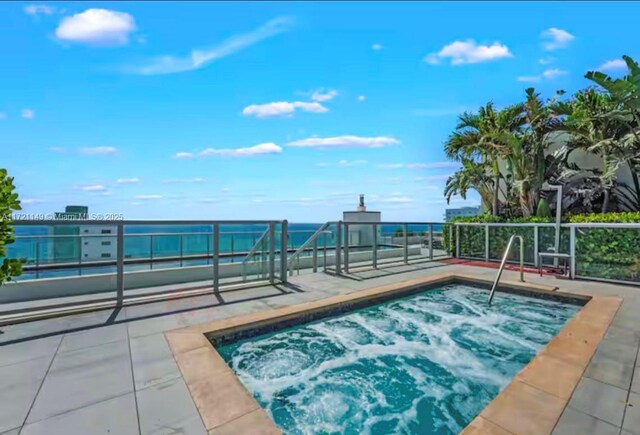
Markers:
(8, 204)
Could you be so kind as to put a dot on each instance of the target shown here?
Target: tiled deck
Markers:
(113, 372)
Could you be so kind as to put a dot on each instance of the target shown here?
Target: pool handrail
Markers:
(505, 256)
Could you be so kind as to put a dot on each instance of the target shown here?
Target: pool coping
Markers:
(531, 403)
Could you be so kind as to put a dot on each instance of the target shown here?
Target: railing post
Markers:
(457, 241)
(430, 241)
(374, 254)
(37, 257)
(272, 253)
(208, 248)
(339, 248)
(572, 244)
(216, 257)
(181, 248)
(315, 255)
(324, 249)
(151, 252)
(232, 249)
(406, 243)
(536, 248)
(283, 251)
(79, 254)
(486, 243)
(346, 248)
(119, 264)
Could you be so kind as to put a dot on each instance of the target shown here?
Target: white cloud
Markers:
(377, 47)
(148, 197)
(260, 149)
(184, 155)
(529, 79)
(35, 10)
(350, 163)
(556, 38)
(546, 60)
(28, 201)
(133, 180)
(91, 187)
(361, 98)
(320, 95)
(28, 114)
(282, 108)
(184, 180)
(347, 141)
(97, 27)
(553, 73)
(461, 52)
(99, 150)
(432, 165)
(612, 65)
(200, 58)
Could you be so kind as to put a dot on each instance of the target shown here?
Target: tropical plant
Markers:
(8, 204)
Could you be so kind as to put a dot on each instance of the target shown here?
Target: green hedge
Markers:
(600, 252)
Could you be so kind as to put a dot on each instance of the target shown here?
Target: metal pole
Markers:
(324, 249)
(457, 241)
(283, 251)
(315, 255)
(216, 257)
(558, 221)
(181, 249)
(120, 264)
(451, 239)
(79, 255)
(572, 248)
(486, 243)
(338, 248)
(151, 252)
(430, 241)
(346, 248)
(37, 257)
(536, 248)
(272, 253)
(406, 243)
(232, 248)
(208, 248)
(374, 254)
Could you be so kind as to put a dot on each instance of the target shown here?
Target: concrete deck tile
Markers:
(201, 363)
(93, 337)
(635, 383)
(620, 352)
(525, 410)
(622, 335)
(19, 384)
(561, 384)
(34, 330)
(154, 325)
(152, 361)
(82, 377)
(610, 371)
(254, 423)
(168, 408)
(599, 400)
(110, 417)
(574, 422)
(482, 426)
(26, 350)
(15, 431)
(632, 416)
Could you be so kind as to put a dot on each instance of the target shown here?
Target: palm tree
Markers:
(471, 175)
(471, 142)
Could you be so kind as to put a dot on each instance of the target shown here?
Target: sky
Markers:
(273, 110)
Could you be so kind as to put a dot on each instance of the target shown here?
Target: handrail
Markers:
(309, 241)
(252, 252)
(504, 262)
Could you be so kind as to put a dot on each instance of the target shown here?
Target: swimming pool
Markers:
(426, 363)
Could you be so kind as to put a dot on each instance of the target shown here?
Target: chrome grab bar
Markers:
(252, 252)
(504, 262)
(314, 237)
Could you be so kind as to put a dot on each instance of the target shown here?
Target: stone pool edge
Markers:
(226, 406)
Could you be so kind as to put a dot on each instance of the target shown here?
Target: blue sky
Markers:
(272, 110)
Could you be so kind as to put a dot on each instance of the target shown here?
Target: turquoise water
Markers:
(425, 364)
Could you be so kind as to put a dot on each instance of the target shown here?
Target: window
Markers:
(106, 255)
(106, 231)
(106, 243)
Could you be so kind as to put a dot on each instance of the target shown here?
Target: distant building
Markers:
(452, 213)
(361, 235)
(85, 242)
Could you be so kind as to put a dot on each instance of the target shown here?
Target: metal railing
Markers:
(313, 240)
(503, 263)
(598, 251)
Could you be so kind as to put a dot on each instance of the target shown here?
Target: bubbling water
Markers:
(423, 364)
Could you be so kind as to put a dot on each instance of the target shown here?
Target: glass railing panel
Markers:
(499, 238)
(608, 253)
